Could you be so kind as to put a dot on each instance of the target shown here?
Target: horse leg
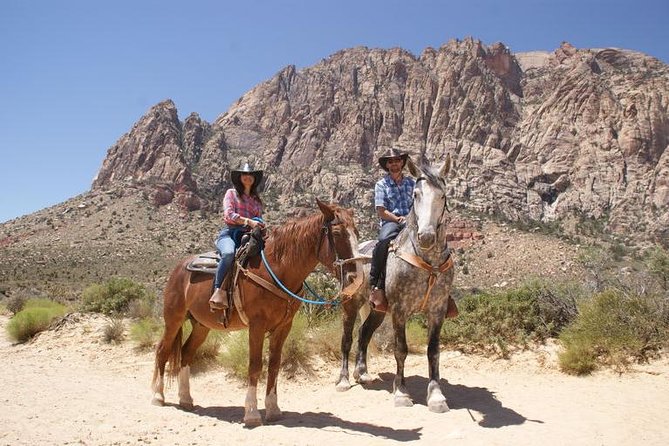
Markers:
(197, 336)
(169, 348)
(436, 401)
(276, 341)
(401, 395)
(348, 321)
(367, 329)
(252, 416)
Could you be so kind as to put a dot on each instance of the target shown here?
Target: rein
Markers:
(419, 262)
(347, 291)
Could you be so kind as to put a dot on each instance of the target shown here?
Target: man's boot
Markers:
(218, 300)
(452, 310)
(378, 301)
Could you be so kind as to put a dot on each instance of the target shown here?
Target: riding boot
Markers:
(452, 309)
(378, 301)
(218, 300)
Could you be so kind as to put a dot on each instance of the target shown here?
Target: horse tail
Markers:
(175, 356)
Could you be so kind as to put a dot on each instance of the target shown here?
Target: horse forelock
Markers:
(431, 174)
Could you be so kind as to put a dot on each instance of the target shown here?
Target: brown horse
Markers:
(293, 250)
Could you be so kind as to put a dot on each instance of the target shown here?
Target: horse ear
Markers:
(413, 169)
(326, 209)
(446, 167)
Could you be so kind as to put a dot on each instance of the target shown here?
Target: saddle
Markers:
(207, 263)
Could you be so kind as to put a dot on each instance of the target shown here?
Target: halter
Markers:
(445, 208)
(345, 291)
(419, 262)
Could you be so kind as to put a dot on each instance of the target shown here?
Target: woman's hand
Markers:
(254, 224)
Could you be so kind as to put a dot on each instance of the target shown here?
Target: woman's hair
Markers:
(254, 189)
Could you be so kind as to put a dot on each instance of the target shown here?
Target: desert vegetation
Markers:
(618, 316)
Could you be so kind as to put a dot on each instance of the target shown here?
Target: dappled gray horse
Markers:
(419, 274)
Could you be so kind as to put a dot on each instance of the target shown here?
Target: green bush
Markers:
(296, 355)
(114, 296)
(114, 331)
(614, 329)
(36, 316)
(658, 266)
(16, 302)
(145, 333)
(496, 323)
(235, 357)
(208, 351)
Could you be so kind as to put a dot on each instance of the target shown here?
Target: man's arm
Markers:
(385, 214)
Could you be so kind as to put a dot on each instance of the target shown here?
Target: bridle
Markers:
(445, 209)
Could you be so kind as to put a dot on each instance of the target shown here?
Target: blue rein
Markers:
(322, 301)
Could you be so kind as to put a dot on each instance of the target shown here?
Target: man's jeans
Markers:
(377, 274)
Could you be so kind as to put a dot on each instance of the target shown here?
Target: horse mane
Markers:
(289, 242)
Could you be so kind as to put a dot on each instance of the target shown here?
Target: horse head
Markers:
(339, 239)
(429, 200)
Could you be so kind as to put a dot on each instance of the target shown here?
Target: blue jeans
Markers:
(377, 273)
(226, 248)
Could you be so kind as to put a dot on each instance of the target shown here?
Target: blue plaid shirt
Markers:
(394, 198)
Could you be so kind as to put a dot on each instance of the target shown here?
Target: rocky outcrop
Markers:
(573, 134)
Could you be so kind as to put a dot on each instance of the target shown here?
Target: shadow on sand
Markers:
(477, 399)
(458, 396)
(315, 420)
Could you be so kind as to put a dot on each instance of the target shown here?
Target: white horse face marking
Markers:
(429, 202)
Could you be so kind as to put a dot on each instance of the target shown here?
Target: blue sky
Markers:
(75, 75)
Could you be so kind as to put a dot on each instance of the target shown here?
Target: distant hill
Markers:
(575, 139)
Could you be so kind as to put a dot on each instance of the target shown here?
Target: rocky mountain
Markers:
(573, 141)
(575, 135)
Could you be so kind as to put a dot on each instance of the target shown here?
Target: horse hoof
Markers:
(186, 405)
(158, 400)
(365, 378)
(438, 407)
(252, 422)
(343, 385)
(273, 415)
(403, 401)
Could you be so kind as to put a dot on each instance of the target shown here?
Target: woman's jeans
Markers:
(226, 248)
(377, 273)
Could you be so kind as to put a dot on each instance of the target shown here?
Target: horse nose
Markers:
(426, 239)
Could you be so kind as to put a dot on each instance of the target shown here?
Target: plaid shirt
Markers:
(394, 198)
(235, 206)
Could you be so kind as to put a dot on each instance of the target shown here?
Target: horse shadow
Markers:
(459, 396)
(314, 420)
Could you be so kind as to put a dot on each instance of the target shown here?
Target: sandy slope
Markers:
(66, 387)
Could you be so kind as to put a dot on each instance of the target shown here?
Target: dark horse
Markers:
(419, 274)
(293, 250)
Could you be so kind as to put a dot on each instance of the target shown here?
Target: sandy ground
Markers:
(67, 387)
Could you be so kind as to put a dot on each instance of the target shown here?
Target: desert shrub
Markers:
(498, 323)
(325, 337)
(113, 331)
(145, 333)
(208, 352)
(114, 296)
(614, 329)
(235, 357)
(416, 334)
(35, 317)
(658, 266)
(296, 357)
(15, 302)
(141, 309)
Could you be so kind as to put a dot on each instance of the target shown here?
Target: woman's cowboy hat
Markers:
(246, 168)
(392, 153)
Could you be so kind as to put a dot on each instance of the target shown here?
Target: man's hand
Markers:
(401, 219)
